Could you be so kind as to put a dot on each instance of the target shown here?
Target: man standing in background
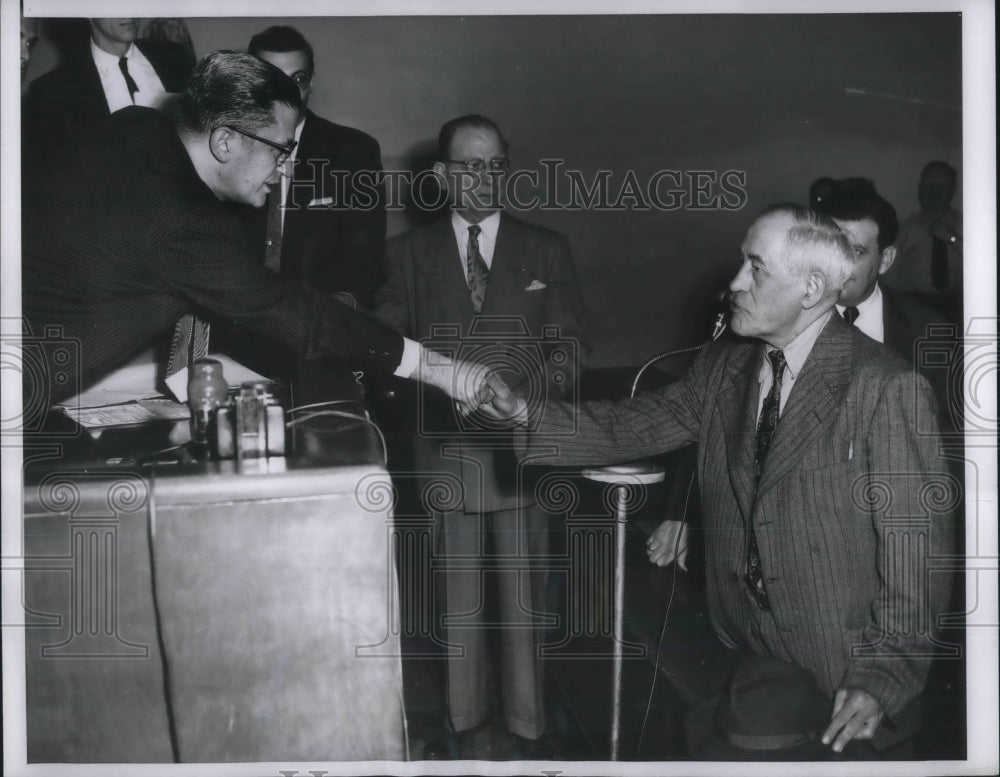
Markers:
(491, 285)
(929, 246)
(112, 71)
(325, 226)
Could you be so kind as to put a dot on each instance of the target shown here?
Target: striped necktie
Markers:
(190, 343)
(765, 433)
(478, 272)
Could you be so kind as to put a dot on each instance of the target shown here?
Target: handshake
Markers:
(474, 387)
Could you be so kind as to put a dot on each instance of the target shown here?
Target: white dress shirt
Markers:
(151, 92)
(870, 319)
(487, 238)
(796, 353)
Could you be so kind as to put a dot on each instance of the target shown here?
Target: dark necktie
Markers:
(478, 272)
(939, 263)
(272, 243)
(765, 432)
(133, 87)
(189, 344)
(851, 315)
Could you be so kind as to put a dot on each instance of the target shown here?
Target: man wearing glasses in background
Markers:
(325, 226)
(487, 284)
(144, 229)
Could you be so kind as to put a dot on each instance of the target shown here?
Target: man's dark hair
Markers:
(939, 164)
(855, 199)
(281, 39)
(230, 88)
(473, 120)
(818, 190)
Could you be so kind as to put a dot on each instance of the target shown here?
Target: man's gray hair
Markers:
(230, 88)
(814, 243)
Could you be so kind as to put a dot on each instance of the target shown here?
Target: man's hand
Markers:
(504, 404)
(668, 538)
(465, 382)
(856, 715)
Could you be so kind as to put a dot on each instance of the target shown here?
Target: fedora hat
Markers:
(769, 711)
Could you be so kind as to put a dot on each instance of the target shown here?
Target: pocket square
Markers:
(321, 202)
(536, 285)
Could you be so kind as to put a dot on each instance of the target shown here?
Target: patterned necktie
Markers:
(478, 272)
(939, 263)
(272, 243)
(765, 432)
(133, 87)
(851, 315)
(189, 344)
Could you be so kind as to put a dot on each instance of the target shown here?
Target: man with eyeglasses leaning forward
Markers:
(492, 285)
(144, 228)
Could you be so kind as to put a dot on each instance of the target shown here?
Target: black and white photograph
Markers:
(423, 387)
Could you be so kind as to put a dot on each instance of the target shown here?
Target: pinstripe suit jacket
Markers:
(851, 506)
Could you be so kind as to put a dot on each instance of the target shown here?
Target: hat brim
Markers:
(705, 743)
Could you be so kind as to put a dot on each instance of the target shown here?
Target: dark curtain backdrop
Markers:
(766, 96)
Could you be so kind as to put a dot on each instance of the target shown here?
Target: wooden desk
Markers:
(192, 611)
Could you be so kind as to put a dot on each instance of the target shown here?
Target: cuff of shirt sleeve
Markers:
(410, 361)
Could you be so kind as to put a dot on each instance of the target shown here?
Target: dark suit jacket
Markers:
(911, 327)
(334, 230)
(68, 103)
(532, 287)
(131, 238)
(852, 509)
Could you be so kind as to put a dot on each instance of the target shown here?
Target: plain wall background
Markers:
(760, 94)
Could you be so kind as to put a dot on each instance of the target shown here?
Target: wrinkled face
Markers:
(765, 298)
(936, 190)
(474, 192)
(251, 167)
(29, 37)
(869, 261)
(295, 65)
(120, 31)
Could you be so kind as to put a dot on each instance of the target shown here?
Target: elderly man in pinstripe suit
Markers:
(824, 508)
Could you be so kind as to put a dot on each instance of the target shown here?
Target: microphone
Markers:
(718, 327)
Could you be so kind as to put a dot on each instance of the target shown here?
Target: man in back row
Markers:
(820, 534)
(898, 319)
(113, 71)
(324, 227)
(142, 232)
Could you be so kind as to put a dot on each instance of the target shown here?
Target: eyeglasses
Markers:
(284, 151)
(498, 164)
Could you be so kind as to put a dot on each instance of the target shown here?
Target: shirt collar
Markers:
(870, 305)
(797, 351)
(105, 61)
(489, 226)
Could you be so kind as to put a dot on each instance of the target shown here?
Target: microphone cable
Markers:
(718, 328)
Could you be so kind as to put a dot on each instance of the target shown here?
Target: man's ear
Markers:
(888, 257)
(816, 286)
(220, 142)
(440, 171)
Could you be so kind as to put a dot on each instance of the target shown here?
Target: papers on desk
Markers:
(139, 412)
(130, 395)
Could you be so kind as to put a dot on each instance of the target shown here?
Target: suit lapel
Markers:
(737, 405)
(441, 266)
(504, 292)
(814, 401)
